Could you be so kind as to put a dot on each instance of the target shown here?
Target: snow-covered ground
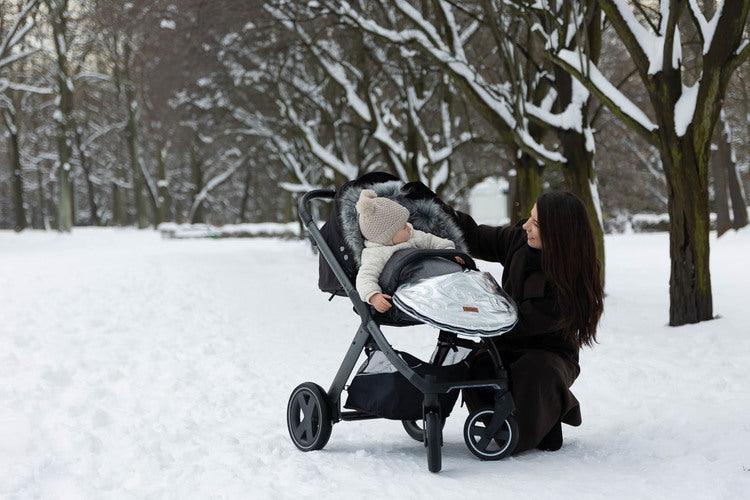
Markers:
(133, 366)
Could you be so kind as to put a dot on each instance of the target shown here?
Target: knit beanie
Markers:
(380, 218)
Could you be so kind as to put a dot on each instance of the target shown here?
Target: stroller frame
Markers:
(320, 410)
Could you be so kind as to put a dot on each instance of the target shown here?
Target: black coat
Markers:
(542, 364)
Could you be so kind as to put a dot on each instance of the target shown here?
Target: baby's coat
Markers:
(375, 256)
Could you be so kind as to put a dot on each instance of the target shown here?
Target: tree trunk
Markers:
(737, 196)
(131, 134)
(90, 191)
(162, 183)
(43, 222)
(197, 178)
(119, 215)
(138, 181)
(728, 165)
(65, 207)
(525, 189)
(721, 200)
(15, 161)
(687, 187)
(245, 194)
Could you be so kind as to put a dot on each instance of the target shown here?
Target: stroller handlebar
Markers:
(304, 203)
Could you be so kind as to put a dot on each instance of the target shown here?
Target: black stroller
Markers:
(394, 384)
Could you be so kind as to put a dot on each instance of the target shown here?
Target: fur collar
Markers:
(425, 215)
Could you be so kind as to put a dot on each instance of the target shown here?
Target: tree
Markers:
(527, 103)
(58, 18)
(14, 27)
(685, 114)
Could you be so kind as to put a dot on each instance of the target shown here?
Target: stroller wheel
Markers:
(415, 429)
(308, 417)
(485, 444)
(433, 441)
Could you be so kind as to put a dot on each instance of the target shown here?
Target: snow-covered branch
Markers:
(494, 102)
(705, 28)
(615, 100)
(322, 153)
(212, 184)
(16, 33)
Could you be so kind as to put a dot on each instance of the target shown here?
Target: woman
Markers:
(551, 271)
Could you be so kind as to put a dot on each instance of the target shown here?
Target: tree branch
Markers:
(608, 94)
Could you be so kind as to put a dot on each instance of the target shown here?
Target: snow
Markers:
(493, 96)
(605, 87)
(266, 229)
(708, 28)
(684, 108)
(167, 24)
(596, 201)
(588, 133)
(650, 43)
(488, 201)
(133, 366)
(572, 117)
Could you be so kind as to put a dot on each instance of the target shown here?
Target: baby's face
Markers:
(403, 235)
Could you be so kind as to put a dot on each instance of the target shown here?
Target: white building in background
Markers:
(488, 201)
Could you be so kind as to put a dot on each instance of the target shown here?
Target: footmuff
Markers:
(466, 302)
(429, 286)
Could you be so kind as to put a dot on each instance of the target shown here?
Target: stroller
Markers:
(392, 384)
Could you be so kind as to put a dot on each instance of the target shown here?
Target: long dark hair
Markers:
(569, 261)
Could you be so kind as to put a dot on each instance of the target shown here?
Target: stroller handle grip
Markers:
(304, 202)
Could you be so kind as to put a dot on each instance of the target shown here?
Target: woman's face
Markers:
(531, 226)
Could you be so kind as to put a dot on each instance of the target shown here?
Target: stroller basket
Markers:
(381, 390)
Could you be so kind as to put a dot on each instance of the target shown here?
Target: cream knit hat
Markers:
(380, 218)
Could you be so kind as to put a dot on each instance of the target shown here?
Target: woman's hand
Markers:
(381, 302)
(459, 260)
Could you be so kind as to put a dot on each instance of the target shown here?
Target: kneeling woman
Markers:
(551, 270)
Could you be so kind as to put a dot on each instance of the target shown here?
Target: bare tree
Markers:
(14, 27)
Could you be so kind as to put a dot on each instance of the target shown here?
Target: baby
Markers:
(384, 225)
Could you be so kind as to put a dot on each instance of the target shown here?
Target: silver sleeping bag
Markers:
(465, 302)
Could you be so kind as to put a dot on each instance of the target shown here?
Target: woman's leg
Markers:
(539, 383)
